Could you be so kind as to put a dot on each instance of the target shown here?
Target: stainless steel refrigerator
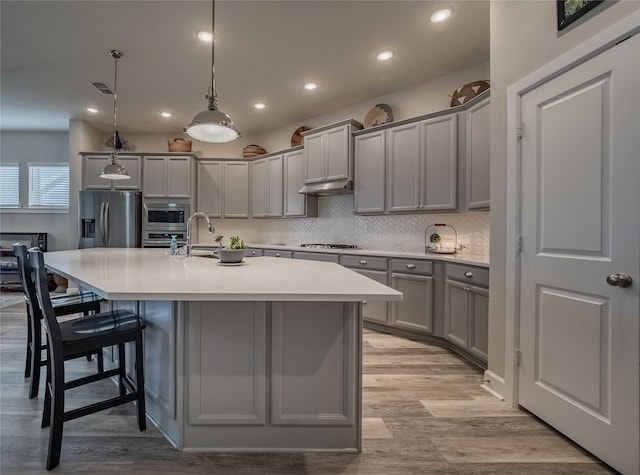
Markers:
(110, 219)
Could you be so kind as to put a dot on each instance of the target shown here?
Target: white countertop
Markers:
(459, 257)
(151, 274)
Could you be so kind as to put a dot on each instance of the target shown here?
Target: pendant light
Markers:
(115, 171)
(212, 125)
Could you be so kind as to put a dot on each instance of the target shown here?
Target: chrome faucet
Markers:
(187, 246)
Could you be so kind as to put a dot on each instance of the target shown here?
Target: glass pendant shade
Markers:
(212, 126)
(114, 171)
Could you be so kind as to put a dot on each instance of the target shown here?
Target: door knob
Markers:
(619, 280)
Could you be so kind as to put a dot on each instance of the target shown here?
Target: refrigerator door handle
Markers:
(102, 224)
(106, 224)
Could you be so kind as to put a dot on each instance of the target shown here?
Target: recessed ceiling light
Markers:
(93, 110)
(205, 35)
(166, 114)
(441, 15)
(311, 85)
(259, 105)
(384, 55)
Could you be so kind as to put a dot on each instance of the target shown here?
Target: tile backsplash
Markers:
(336, 223)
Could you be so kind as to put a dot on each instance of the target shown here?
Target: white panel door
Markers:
(580, 223)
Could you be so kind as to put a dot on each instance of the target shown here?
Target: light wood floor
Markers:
(424, 413)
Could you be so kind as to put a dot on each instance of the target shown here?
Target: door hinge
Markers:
(519, 244)
(519, 132)
(517, 353)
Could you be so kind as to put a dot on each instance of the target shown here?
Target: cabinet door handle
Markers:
(277, 254)
(364, 302)
(253, 253)
(411, 266)
(363, 262)
(468, 274)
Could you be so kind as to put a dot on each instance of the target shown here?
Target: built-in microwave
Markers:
(165, 216)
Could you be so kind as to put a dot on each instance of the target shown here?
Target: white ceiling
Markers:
(265, 50)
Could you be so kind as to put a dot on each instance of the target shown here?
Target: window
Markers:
(48, 186)
(9, 185)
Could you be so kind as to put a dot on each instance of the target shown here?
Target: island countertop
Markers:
(151, 274)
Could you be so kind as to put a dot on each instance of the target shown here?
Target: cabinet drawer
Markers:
(364, 262)
(412, 266)
(316, 256)
(476, 275)
(253, 252)
(276, 253)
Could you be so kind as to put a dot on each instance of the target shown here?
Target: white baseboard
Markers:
(494, 384)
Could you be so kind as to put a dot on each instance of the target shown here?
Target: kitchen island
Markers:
(263, 356)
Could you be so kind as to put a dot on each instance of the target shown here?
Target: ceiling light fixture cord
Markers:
(213, 96)
(115, 54)
(115, 171)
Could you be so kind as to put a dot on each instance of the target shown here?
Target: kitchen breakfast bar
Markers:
(262, 356)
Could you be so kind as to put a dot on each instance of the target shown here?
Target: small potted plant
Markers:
(234, 252)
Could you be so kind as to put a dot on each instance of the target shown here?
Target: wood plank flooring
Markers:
(424, 413)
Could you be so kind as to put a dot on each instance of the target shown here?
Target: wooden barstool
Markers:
(84, 302)
(79, 337)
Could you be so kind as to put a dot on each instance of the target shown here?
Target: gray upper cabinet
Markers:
(259, 190)
(236, 189)
(478, 156)
(370, 172)
(439, 163)
(267, 186)
(421, 172)
(328, 152)
(92, 166)
(296, 204)
(223, 188)
(167, 177)
(403, 152)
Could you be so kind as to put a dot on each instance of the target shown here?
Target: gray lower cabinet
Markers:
(316, 256)
(467, 308)
(375, 268)
(414, 278)
(253, 252)
(276, 253)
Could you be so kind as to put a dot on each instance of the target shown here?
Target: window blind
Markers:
(9, 185)
(48, 186)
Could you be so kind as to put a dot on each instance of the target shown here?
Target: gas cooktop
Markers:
(330, 246)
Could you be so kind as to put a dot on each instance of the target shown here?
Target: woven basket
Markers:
(253, 151)
(179, 145)
(468, 91)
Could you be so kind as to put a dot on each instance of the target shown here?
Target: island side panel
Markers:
(161, 362)
(313, 366)
(227, 361)
(251, 342)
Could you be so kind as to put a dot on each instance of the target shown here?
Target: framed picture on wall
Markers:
(570, 10)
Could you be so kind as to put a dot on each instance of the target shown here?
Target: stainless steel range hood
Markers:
(323, 188)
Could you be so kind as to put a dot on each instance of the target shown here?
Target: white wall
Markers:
(35, 147)
(524, 37)
(423, 98)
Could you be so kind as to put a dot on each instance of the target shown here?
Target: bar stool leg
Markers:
(122, 366)
(36, 358)
(57, 415)
(142, 420)
(27, 366)
(46, 411)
